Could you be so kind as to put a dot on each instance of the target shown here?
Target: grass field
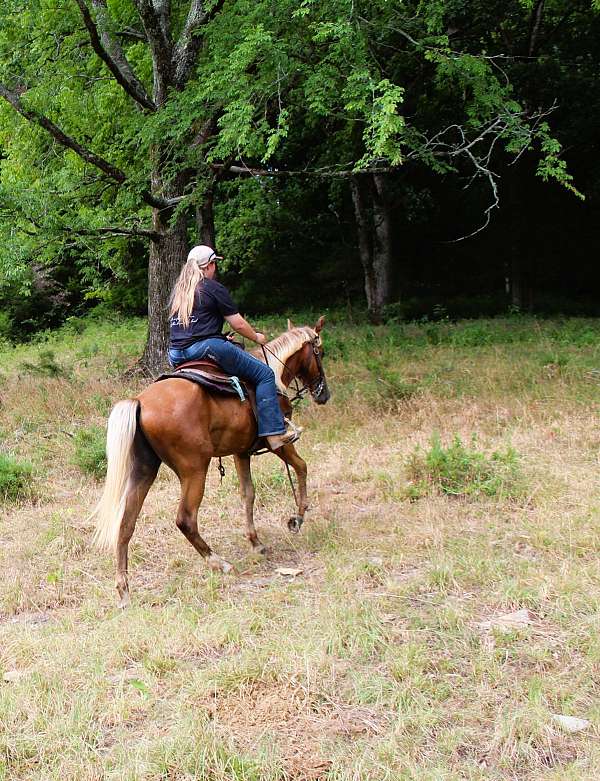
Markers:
(453, 479)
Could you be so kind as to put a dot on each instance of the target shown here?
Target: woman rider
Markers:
(199, 305)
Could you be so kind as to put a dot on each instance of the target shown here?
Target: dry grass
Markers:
(373, 662)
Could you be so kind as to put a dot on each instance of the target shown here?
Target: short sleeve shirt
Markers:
(212, 303)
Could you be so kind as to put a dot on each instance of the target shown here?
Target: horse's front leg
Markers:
(242, 465)
(192, 491)
(289, 455)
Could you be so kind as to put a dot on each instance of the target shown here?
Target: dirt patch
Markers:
(298, 725)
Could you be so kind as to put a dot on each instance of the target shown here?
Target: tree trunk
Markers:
(371, 209)
(516, 280)
(205, 218)
(167, 257)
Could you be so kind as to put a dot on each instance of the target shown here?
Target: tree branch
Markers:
(116, 231)
(323, 172)
(130, 32)
(157, 32)
(188, 45)
(69, 143)
(112, 55)
(39, 119)
(534, 27)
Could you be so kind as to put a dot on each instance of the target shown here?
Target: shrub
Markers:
(90, 451)
(462, 471)
(15, 478)
(46, 366)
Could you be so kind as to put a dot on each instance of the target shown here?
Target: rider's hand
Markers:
(260, 338)
(231, 336)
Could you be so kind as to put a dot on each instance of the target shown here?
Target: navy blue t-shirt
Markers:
(212, 303)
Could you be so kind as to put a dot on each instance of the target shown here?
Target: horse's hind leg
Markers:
(192, 491)
(143, 473)
(242, 465)
(289, 455)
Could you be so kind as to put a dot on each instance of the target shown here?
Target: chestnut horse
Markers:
(183, 425)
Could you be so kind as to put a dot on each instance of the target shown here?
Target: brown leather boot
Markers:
(292, 434)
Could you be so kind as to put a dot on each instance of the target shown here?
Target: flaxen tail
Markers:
(119, 439)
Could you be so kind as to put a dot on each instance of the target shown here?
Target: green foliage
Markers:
(89, 451)
(320, 86)
(462, 471)
(15, 479)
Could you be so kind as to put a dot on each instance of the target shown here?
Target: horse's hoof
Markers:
(261, 549)
(124, 600)
(295, 523)
(217, 564)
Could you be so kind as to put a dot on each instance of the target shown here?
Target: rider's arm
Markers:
(243, 327)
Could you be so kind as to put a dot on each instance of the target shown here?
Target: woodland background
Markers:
(414, 159)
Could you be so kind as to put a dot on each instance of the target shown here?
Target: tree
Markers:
(365, 92)
(125, 119)
(79, 77)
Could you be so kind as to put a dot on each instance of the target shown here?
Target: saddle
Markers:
(210, 376)
(214, 379)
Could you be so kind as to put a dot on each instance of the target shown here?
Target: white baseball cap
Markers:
(203, 255)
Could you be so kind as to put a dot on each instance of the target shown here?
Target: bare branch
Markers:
(66, 141)
(130, 32)
(317, 172)
(111, 54)
(117, 231)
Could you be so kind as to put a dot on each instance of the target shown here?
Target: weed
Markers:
(90, 451)
(45, 366)
(463, 471)
(15, 479)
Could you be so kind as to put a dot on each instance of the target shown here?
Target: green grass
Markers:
(89, 451)
(458, 470)
(374, 662)
(15, 479)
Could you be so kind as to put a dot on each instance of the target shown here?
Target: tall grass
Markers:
(384, 656)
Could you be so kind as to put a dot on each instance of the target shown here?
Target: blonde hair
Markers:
(182, 297)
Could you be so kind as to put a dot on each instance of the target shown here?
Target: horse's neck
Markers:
(290, 367)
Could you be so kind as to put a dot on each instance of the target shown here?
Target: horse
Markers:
(183, 425)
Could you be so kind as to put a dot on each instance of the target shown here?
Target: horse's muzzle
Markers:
(323, 395)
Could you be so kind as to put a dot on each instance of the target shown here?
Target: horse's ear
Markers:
(320, 324)
(290, 325)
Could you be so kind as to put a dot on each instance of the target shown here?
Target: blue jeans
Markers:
(234, 360)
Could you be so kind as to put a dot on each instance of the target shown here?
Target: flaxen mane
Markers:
(281, 348)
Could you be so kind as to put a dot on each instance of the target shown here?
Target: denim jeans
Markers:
(234, 360)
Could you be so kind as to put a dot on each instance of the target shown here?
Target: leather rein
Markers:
(315, 386)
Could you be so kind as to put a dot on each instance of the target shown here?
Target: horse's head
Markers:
(307, 364)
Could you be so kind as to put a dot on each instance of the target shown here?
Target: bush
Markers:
(15, 478)
(46, 366)
(461, 471)
(90, 451)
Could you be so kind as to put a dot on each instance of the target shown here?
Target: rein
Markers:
(308, 386)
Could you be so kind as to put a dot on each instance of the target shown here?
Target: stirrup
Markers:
(293, 428)
(275, 441)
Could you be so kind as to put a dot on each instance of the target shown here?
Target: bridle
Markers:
(314, 386)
